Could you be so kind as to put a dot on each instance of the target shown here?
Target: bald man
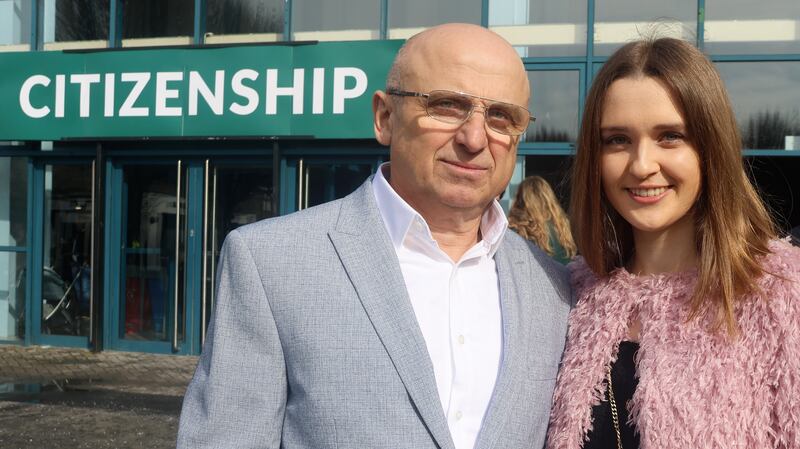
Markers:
(404, 315)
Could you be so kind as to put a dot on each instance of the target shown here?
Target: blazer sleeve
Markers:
(237, 398)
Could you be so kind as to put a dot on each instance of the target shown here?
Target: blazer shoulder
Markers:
(557, 273)
(307, 221)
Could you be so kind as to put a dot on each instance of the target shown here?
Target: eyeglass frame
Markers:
(412, 94)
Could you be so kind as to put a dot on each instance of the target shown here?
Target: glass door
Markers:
(235, 194)
(62, 264)
(154, 233)
(314, 181)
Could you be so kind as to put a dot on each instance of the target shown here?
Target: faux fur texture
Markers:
(697, 389)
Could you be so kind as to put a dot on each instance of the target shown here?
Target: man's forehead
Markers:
(479, 72)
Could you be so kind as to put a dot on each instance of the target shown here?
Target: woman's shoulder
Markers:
(783, 260)
(779, 286)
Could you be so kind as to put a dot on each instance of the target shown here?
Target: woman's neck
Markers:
(667, 251)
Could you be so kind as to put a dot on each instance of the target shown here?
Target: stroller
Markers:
(59, 303)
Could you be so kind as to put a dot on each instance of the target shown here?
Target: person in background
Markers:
(537, 216)
(685, 332)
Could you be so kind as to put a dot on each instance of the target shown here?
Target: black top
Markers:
(623, 376)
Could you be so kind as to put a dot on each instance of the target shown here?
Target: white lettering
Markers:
(319, 90)
(85, 80)
(295, 91)
(163, 94)
(25, 96)
(60, 95)
(127, 110)
(108, 110)
(213, 100)
(244, 91)
(340, 92)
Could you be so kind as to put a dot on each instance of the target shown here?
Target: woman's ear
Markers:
(382, 114)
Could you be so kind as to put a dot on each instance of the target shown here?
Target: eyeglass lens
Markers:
(452, 107)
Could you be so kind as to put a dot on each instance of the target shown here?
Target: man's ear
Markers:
(382, 114)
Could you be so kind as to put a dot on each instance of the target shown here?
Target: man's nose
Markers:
(472, 133)
(645, 159)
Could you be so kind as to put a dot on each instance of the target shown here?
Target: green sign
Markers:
(322, 90)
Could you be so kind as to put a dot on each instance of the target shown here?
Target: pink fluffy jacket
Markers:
(697, 389)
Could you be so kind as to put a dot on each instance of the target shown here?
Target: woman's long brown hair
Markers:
(733, 227)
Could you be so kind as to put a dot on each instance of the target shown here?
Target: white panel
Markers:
(771, 30)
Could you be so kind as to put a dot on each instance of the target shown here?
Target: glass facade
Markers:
(67, 264)
(13, 201)
(767, 102)
(157, 18)
(343, 20)
(408, 17)
(13, 239)
(555, 104)
(244, 16)
(539, 28)
(15, 22)
(621, 21)
(75, 20)
(745, 27)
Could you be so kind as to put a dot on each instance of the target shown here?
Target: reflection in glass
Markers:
(554, 103)
(327, 182)
(13, 201)
(66, 278)
(15, 22)
(554, 169)
(157, 18)
(239, 195)
(539, 28)
(766, 101)
(12, 295)
(75, 20)
(244, 16)
(340, 20)
(620, 21)
(151, 269)
(779, 186)
(745, 26)
(408, 17)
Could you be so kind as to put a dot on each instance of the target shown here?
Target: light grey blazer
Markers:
(314, 344)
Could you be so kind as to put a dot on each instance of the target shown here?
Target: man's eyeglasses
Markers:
(457, 107)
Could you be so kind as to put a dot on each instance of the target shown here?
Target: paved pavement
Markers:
(72, 398)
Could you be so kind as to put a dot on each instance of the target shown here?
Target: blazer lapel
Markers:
(367, 254)
(514, 277)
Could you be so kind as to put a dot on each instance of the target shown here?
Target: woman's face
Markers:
(650, 169)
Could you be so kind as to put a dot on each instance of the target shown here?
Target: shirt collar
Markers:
(398, 215)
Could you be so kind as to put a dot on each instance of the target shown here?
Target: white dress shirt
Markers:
(457, 306)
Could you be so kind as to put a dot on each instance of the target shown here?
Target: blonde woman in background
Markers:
(537, 216)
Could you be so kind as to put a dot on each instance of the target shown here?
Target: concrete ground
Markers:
(65, 398)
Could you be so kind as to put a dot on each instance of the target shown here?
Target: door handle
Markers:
(177, 261)
(91, 261)
(204, 286)
(300, 184)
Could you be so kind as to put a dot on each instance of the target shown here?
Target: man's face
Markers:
(439, 167)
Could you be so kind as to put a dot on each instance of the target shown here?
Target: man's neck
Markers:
(455, 237)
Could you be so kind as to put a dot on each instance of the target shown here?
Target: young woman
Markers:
(686, 333)
(537, 216)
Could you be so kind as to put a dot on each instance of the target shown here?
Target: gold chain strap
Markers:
(614, 414)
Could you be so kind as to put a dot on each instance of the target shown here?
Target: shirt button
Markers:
(461, 339)
(459, 415)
